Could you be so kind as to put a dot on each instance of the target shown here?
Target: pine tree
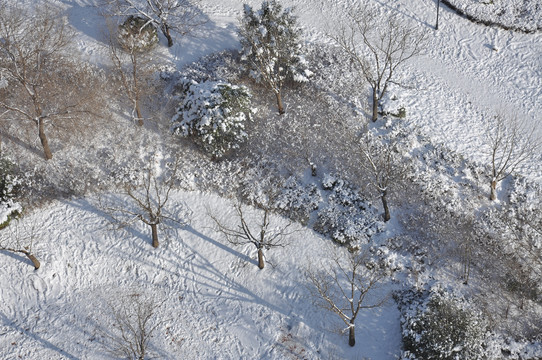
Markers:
(271, 45)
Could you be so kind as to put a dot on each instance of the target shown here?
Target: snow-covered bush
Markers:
(9, 208)
(214, 113)
(346, 217)
(137, 34)
(438, 325)
(297, 200)
(391, 104)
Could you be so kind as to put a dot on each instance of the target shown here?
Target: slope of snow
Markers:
(217, 303)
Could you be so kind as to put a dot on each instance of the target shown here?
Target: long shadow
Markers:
(47, 344)
(242, 256)
(22, 144)
(215, 280)
(405, 14)
(87, 19)
(17, 257)
(85, 205)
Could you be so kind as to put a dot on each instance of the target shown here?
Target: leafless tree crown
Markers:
(179, 16)
(135, 322)
(41, 84)
(262, 236)
(148, 194)
(510, 142)
(346, 285)
(378, 48)
(20, 237)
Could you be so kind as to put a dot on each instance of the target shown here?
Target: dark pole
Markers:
(438, 8)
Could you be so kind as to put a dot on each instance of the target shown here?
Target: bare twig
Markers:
(262, 236)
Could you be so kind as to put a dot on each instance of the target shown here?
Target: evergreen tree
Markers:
(271, 45)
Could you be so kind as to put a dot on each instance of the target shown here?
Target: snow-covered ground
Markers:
(467, 73)
(217, 304)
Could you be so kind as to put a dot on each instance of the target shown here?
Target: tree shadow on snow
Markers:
(217, 283)
(20, 258)
(85, 205)
(64, 354)
(408, 15)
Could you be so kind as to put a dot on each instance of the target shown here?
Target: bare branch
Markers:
(346, 285)
(378, 50)
(243, 234)
(510, 143)
(147, 197)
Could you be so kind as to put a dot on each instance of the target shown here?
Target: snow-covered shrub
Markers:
(438, 325)
(137, 33)
(392, 104)
(9, 182)
(214, 113)
(346, 217)
(298, 201)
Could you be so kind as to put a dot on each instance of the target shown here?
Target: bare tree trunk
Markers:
(493, 195)
(32, 258)
(387, 214)
(154, 228)
(165, 31)
(375, 104)
(261, 263)
(279, 102)
(352, 334)
(138, 114)
(44, 142)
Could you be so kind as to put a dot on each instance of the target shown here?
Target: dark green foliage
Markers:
(9, 186)
(437, 325)
(137, 34)
(214, 113)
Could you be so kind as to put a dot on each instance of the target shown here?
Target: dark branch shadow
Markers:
(242, 256)
(17, 257)
(85, 205)
(47, 344)
(18, 142)
(405, 14)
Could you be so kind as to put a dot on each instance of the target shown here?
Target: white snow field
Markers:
(218, 304)
(214, 301)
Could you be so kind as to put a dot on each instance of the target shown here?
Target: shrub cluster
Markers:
(346, 217)
(438, 325)
(298, 200)
(214, 113)
(9, 183)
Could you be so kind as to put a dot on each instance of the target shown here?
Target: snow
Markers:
(217, 304)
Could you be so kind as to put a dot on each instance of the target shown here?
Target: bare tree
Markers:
(179, 16)
(135, 322)
(511, 142)
(41, 85)
(147, 193)
(19, 237)
(347, 285)
(383, 164)
(262, 236)
(377, 49)
(131, 67)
